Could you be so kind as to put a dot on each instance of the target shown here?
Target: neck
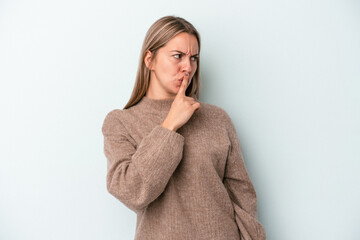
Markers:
(164, 95)
(159, 106)
(159, 97)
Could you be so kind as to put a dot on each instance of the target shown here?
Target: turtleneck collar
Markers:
(155, 105)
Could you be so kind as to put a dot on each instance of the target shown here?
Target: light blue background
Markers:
(287, 72)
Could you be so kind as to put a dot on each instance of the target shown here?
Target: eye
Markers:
(194, 58)
(179, 55)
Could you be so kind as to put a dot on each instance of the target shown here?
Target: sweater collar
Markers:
(155, 105)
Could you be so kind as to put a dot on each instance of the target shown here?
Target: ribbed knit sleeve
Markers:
(241, 189)
(138, 175)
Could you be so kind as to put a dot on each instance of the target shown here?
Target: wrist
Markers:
(168, 126)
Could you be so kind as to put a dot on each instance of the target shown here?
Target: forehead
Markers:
(183, 42)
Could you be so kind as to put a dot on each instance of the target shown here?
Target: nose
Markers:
(187, 65)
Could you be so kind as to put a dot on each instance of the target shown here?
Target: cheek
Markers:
(171, 65)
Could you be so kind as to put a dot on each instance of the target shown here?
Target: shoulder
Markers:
(113, 121)
(118, 114)
(218, 116)
(215, 111)
(113, 115)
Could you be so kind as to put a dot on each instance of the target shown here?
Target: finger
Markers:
(184, 84)
(196, 106)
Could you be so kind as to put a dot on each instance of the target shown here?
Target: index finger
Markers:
(184, 84)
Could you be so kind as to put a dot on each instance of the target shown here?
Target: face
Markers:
(171, 63)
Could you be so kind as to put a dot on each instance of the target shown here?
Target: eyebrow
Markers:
(183, 53)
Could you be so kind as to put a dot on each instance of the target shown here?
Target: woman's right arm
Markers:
(138, 175)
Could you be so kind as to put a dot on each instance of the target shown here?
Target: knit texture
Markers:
(189, 184)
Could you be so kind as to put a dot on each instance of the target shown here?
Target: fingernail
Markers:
(186, 74)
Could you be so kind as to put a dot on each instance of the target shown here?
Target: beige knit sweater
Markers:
(189, 184)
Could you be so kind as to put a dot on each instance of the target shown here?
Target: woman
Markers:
(173, 161)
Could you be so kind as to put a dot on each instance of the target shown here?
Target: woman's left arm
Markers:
(241, 189)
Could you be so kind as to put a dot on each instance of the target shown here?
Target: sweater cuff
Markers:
(160, 153)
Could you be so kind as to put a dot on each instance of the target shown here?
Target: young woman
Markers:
(176, 162)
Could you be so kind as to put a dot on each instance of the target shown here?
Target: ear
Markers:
(147, 59)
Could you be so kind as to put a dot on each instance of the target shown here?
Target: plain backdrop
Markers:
(287, 72)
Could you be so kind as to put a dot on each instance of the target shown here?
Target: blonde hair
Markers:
(156, 37)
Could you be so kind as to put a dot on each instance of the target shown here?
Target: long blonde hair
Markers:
(156, 37)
